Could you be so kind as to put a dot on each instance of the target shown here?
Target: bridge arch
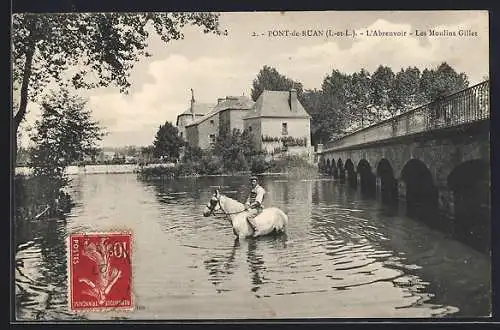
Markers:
(350, 173)
(321, 164)
(386, 182)
(470, 184)
(340, 170)
(333, 168)
(366, 178)
(420, 192)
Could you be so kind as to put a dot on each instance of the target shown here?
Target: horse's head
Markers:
(213, 204)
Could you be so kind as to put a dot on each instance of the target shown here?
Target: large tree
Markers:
(64, 134)
(312, 103)
(382, 86)
(167, 142)
(359, 100)
(99, 48)
(406, 95)
(327, 107)
(269, 78)
(330, 102)
(443, 81)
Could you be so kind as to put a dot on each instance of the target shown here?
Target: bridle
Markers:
(213, 205)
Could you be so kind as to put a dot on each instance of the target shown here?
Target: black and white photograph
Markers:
(267, 165)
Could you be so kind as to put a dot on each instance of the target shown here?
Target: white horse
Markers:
(270, 220)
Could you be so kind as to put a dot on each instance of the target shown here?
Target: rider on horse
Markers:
(254, 201)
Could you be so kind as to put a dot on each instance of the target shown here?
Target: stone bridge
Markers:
(433, 160)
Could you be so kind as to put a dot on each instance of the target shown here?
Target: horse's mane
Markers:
(233, 205)
(233, 202)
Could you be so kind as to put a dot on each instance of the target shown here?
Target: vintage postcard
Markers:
(251, 165)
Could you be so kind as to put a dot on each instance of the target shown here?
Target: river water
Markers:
(343, 255)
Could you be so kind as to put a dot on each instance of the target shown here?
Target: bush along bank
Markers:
(213, 165)
(39, 197)
(294, 166)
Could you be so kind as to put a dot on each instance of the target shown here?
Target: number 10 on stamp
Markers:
(100, 271)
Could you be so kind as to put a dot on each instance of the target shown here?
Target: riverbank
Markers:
(90, 169)
(289, 166)
(37, 198)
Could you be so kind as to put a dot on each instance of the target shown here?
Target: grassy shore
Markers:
(291, 166)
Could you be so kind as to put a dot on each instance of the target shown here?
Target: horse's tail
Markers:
(284, 220)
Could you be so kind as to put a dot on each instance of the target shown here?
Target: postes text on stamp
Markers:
(100, 271)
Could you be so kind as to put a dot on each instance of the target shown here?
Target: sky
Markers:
(218, 66)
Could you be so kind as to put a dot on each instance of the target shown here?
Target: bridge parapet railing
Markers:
(466, 106)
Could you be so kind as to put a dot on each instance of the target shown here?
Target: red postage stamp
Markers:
(100, 271)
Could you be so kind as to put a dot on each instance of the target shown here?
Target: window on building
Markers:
(249, 128)
(211, 121)
(212, 139)
(284, 129)
(181, 134)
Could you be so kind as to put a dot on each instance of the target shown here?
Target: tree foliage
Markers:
(235, 150)
(382, 87)
(95, 49)
(331, 114)
(347, 102)
(130, 151)
(23, 156)
(360, 110)
(443, 81)
(270, 79)
(167, 142)
(146, 153)
(192, 154)
(64, 134)
(406, 93)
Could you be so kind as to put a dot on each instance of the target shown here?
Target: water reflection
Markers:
(255, 264)
(221, 266)
(427, 260)
(41, 271)
(343, 255)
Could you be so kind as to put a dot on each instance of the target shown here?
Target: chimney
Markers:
(192, 101)
(292, 99)
(220, 99)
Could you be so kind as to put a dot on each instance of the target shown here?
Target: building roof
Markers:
(234, 103)
(200, 109)
(229, 103)
(276, 104)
